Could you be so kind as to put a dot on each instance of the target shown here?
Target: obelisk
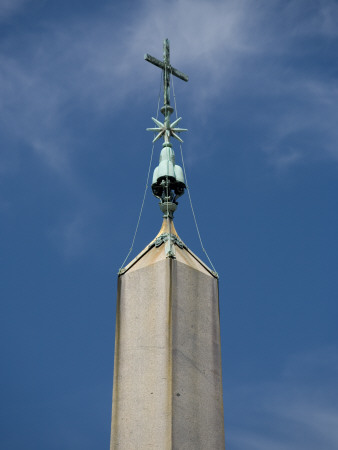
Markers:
(167, 391)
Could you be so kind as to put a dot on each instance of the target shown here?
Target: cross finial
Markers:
(167, 70)
(166, 129)
(168, 178)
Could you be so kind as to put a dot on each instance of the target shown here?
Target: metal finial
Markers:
(166, 128)
(168, 179)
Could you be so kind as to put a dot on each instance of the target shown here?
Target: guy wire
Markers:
(146, 186)
(186, 180)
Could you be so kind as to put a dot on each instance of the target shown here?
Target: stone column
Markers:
(167, 375)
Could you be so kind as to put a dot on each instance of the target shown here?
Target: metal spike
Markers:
(158, 136)
(172, 125)
(177, 137)
(179, 130)
(158, 123)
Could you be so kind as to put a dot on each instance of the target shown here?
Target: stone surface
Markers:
(197, 404)
(167, 375)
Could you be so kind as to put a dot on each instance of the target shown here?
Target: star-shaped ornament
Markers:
(163, 130)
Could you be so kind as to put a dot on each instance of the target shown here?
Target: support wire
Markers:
(145, 189)
(188, 189)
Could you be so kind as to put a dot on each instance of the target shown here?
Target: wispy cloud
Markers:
(240, 47)
(296, 411)
(237, 53)
(72, 233)
(10, 7)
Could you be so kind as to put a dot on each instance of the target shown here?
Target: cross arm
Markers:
(161, 65)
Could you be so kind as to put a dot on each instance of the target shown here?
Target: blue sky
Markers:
(262, 161)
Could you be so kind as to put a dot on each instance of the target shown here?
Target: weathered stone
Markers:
(167, 374)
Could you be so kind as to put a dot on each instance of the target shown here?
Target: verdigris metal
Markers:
(168, 178)
(165, 237)
(167, 129)
(167, 69)
(161, 65)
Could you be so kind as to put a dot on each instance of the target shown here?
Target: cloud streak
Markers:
(241, 57)
(297, 411)
(238, 48)
(11, 7)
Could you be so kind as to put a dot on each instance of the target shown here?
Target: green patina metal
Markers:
(167, 129)
(167, 69)
(165, 237)
(168, 180)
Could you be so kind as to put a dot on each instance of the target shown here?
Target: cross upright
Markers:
(167, 69)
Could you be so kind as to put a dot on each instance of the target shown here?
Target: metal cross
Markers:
(167, 69)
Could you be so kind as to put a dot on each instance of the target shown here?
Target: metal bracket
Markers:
(165, 237)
